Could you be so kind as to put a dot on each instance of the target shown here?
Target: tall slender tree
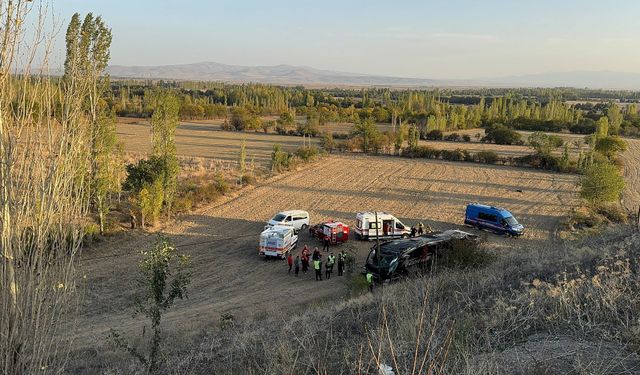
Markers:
(164, 123)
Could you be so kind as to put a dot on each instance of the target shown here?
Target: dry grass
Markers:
(524, 313)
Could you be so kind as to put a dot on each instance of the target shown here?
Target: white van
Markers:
(298, 219)
(388, 226)
(277, 241)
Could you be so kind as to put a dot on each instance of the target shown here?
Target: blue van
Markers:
(495, 219)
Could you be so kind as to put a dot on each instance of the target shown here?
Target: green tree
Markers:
(615, 117)
(544, 143)
(610, 146)
(602, 183)
(164, 123)
(602, 127)
(368, 131)
(327, 142)
(164, 277)
(87, 46)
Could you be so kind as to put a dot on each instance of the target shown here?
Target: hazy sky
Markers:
(426, 39)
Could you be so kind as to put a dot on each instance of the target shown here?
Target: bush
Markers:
(454, 137)
(434, 135)
(614, 212)
(247, 179)
(455, 155)
(466, 137)
(307, 153)
(503, 136)
(427, 152)
(602, 183)
(540, 161)
(221, 184)
(464, 254)
(610, 146)
(227, 126)
(488, 157)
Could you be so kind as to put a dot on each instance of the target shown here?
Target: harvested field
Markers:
(205, 139)
(230, 277)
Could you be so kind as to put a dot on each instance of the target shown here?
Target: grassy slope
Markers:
(525, 312)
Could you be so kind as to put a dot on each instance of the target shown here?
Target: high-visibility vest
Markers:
(316, 264)
(369, 278)
(332, 260)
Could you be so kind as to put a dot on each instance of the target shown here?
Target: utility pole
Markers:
(378, 249)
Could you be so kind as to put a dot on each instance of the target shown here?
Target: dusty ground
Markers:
(631, 157)
(230, 277)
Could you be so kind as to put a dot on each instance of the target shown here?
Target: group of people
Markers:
(418, 229)
(302, 262)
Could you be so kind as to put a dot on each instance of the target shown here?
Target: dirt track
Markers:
(230, 277)
(631, 157)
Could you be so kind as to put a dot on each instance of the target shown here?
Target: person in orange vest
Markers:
(290, 263)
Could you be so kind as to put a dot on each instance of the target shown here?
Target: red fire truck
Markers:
(336, 231)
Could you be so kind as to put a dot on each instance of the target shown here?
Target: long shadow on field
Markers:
(384, 193)
(525, 186)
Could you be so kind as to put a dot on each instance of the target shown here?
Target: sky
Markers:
(452, 39)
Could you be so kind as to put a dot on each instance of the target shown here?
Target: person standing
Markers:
(317, 265)
(289, 262)
(370, 281)
(413, 231)
(316, 254)
(327, 242)
(305, 259)
(420, 229)
(331, 260)
(296, 265)
(341, 259)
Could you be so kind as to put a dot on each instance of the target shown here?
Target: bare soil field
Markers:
(229, 275)
(631, 157)
(205, 139)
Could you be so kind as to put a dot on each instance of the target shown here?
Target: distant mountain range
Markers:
(302, 75)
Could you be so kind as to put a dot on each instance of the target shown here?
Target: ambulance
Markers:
(277, 241)
(388, 226)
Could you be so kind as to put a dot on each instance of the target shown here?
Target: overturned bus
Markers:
(402, 256)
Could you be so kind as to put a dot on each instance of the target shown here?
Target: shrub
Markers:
(340, 135)
(503, 136)
(327, 142)
(221, 184)
(602, 183)
(280, 160)
(454, 155)
(427, 152)
(307, 153)
(227, 126)
(610, 146)
(247, 179)
(466, 137)
(453, 137)
(434, 135)
(488, 157)
(613, 211)
(464, 254)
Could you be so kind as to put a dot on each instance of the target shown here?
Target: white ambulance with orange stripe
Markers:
(277, 241)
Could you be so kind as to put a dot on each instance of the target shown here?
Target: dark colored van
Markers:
(495, 219)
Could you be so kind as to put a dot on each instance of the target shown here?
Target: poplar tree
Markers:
(164, 123)
(87, 57)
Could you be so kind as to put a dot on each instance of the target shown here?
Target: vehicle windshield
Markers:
(385, 260)
(279, 217)
(511, 221)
